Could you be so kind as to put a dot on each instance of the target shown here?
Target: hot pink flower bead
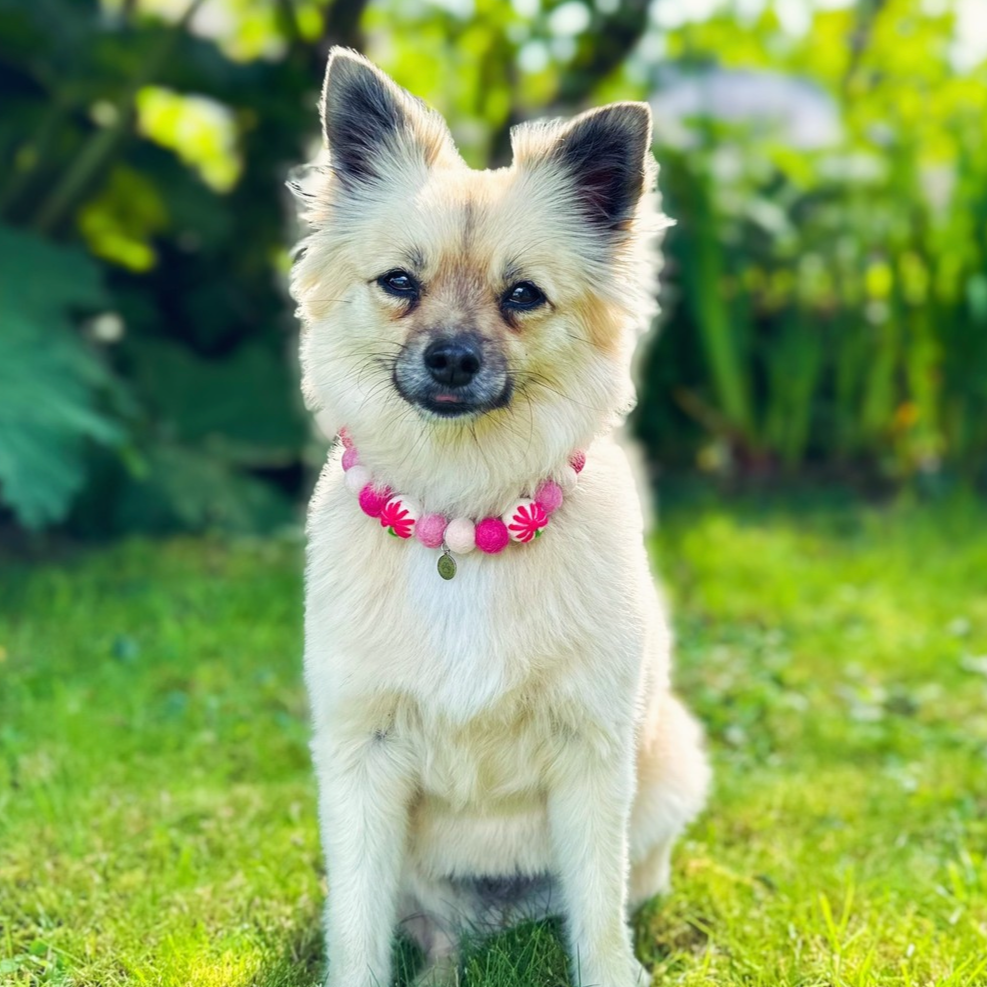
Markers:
(549, 496)
(400, 514)
(431, 529)
(578, 460)
(373, 499)
(344, 437)
(525, 521)
(350, 458)
(491, 535)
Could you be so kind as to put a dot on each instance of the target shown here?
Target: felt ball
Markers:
(460, 536)
(549, 496)
(356, 479)
(344, 437)
(372, 499)
(525, 520)
(492, 535)
(350, 458)
(431, 529)
(567, 479)
(578, 460)
(400, 514)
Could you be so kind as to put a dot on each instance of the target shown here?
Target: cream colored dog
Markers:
(502, 744)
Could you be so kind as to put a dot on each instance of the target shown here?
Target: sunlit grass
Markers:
(157, 820)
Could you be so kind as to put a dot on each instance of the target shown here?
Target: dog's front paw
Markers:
(620, 973)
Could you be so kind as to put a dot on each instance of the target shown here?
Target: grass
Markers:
(157, 823)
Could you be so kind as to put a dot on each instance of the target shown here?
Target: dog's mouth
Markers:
(454, 402)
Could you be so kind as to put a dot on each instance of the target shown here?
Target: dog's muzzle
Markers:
(452, 374)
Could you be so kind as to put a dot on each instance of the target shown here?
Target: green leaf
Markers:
(49, 381)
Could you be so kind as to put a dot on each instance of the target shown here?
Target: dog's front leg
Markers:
(591, 791)
(364, 790)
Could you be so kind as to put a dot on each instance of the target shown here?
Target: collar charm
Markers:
(403, 517)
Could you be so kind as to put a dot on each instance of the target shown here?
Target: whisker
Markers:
(540, 381)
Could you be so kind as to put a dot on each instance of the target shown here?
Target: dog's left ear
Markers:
(372, 126)
(606, 154)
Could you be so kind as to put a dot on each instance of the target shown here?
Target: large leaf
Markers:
(49, 381)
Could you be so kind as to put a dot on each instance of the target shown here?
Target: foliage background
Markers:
(825, 307)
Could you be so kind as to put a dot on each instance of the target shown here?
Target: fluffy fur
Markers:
(504, 745)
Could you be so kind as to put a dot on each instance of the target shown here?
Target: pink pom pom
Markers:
(350, 458)
(373, 499)
(430, 530)
(578, 460)
(549, 496)
(344, 437)
(491, 535)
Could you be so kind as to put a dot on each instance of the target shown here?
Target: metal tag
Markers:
(447, 566)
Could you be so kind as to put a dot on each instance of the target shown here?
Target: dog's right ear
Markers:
(372, 126)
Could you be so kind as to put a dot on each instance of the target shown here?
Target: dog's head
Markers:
(446, 304)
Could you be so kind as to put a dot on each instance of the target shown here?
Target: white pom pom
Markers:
(357, 477)
(461, 536)
(567, 479)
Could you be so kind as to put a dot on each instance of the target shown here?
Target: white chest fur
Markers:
(571, 611)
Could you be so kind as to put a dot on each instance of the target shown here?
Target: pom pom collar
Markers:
(402, 517)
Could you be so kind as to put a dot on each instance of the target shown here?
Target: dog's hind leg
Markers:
(429, 914)
(439, 912)
(672, 781)
(441, 972)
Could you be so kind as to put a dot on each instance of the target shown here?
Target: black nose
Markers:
(453, 362)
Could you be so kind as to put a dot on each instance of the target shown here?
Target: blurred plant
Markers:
(834, 305)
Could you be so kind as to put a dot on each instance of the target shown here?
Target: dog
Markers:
(495, 738)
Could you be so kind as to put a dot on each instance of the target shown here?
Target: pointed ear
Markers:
(607, 155)
(370, 122)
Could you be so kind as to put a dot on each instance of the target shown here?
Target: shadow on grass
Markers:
(531, 955)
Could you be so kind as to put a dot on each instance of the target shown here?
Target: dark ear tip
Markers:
(606, 150)
(633, 116)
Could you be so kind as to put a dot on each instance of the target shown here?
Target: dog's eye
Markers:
(523, 295)
(399, 283)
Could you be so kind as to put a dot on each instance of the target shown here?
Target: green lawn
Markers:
(157, 823)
